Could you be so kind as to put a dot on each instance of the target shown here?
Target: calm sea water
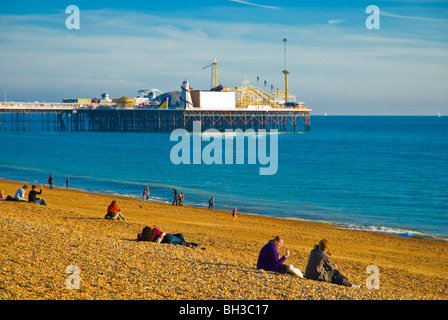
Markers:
(387, 174)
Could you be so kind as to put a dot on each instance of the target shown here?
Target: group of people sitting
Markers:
(320, 267)
(149, 234)
(32, 195)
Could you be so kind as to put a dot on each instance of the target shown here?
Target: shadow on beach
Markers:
(82, 218)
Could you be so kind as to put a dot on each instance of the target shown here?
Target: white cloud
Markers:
(336, 21)
(122, 52)
(254, 4)
(393, 15)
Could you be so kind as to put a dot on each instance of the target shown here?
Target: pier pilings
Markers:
(152, 120)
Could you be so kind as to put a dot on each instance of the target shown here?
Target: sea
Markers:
(378, 173)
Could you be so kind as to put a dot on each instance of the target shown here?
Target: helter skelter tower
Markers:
(185, 97)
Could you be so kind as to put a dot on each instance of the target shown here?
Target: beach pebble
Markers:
(38, 244)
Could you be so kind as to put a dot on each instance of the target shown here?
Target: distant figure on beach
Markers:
(145, 194)
(268, 259)
(20, 194)
(32, 196)
(211, 203)
(234, 213)
(321, 268)
(66, 183)
(2, 196)
(176, 199)
(155, 235)
(114, 212)
(181, 199)
(50, 182)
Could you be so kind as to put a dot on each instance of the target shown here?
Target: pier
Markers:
(67, 118)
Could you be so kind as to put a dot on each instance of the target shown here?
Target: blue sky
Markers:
(337, 65)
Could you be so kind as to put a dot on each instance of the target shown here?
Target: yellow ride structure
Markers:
(124, 102)
(247, 96)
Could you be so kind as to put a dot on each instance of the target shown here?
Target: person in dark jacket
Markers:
(269, 260)
(320, 267)
(211, 203)
(50, 182)
(32, 196)
(176, 198)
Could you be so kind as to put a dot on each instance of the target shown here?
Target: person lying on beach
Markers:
(320, 267)
(155, 235)
(268, 259)
(114, 212)
(32, 196)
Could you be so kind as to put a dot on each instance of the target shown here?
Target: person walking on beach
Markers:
(320, 267)
(268, 259)
(234, 213)
(145, 194)
(211, 203)
(20, 194)
(50, 182)
(114, 212)
(32, 196)
(66, 183)
(176, 199)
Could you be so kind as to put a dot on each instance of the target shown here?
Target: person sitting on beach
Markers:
(114, 212)
(155, 235)
(2, 196)
(320, 267)
(20, 194)
(269, 260)
(32, 196)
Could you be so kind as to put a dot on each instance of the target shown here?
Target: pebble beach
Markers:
(40, 246)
